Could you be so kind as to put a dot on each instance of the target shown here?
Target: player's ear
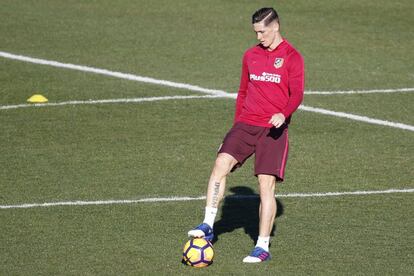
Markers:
(276, 26)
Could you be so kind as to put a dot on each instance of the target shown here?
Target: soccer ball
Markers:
(198, 252)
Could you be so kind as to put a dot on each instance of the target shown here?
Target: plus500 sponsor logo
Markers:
(266, 77)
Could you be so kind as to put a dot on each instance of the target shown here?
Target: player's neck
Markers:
(276, 42)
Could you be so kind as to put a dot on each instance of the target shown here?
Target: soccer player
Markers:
(271, 89)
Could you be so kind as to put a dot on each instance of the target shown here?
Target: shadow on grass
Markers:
(241, 210)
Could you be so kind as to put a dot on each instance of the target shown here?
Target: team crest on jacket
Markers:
(278, 63)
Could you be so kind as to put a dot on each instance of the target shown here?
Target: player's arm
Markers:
(241, 95)
(296, 83)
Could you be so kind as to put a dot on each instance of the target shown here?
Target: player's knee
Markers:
(224, 163)
(267, 183)
(266, 179)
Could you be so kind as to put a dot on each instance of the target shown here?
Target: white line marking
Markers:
(196, 88)
(151, 99)
(357, 118)
(218, 93)
(398, 90)
(390, 191)
(171, 199)
(112, 73)
(108, 101)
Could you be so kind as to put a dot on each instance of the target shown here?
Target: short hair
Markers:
(267, 14)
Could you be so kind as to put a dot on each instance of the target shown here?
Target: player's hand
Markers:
(277, 120)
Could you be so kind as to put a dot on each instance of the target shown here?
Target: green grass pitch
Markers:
(166, 148)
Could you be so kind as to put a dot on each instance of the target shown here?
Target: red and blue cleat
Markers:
(258, 255)
(202, 231)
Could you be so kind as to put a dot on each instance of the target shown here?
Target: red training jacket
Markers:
(271, 82)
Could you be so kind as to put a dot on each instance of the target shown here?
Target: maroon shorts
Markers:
(270, 146)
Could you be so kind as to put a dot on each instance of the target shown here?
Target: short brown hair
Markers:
(267, 14)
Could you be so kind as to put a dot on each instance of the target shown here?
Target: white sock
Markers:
(263, 242)
(210, 216)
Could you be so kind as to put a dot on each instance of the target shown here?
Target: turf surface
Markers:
(166, 148)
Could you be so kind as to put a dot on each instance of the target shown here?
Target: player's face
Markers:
(266, 34)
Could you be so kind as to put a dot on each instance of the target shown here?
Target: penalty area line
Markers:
(212, 92)
(109, 101)
(133, 77)
(175, 199)
(105, 72)
(354, 117)
(152, 99)
(397, 90)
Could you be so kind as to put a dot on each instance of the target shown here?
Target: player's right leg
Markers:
(215, 191)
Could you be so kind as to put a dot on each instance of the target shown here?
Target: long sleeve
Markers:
(296, 84)
(241, 95)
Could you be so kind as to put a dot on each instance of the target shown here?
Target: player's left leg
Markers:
(267, 213)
